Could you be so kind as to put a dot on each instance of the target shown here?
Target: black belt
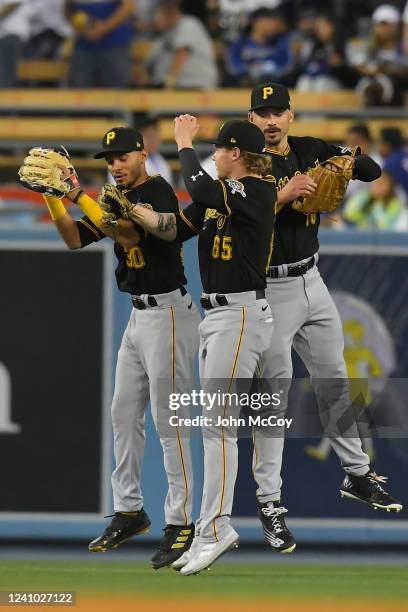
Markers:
(296, 270)
(222, 300)
(140, 305)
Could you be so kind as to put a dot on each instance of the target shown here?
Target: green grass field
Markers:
(238, 582)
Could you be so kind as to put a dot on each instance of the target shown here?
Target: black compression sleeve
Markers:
(366, 169)
(88, 232)
(202, 188)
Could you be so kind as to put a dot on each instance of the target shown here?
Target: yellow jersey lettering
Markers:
(311, 219)
(211, 213)
(135, 259)
(222, 248)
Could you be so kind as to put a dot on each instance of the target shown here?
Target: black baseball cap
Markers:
(120, 140)
(242, 134)
(270, 95)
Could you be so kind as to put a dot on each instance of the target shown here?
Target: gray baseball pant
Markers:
(232, 340)
(156, 358)
(306, 318)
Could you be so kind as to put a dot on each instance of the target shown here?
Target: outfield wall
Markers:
(61, 325)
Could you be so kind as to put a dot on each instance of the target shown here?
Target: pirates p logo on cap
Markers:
(110, 136)
(267, 91)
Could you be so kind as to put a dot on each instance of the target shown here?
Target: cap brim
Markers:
(106, 152)
(254, 108)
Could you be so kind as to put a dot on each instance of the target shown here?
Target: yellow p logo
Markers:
(110, 136)
(267, 91)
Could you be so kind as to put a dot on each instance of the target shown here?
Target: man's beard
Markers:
(273, 140)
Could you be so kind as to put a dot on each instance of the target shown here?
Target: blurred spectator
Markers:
(379, 207)
(102, 51)
(183, 56)
(14, 31)
(263, 51)
(156, 163)
(323, 69)
(49, 28)
(232, 14)
(303, 35)
(359, 135)
(246, 6)
(405, 21)
(144, 11)
(395, 155)
(382, 66)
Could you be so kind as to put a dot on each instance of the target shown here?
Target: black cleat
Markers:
(367, 489)
(122, 527)
(176, 541)
(274, 527)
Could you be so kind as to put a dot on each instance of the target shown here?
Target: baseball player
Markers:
(304, 313)
(234, 218)
(158, 347)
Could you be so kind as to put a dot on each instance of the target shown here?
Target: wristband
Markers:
(78, 195)
(91, 208)
(55, 206)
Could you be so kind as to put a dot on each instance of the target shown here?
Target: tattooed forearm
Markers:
(167, 223)
(161, 225)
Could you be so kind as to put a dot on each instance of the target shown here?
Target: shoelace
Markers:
(274, 514)
(375, 479)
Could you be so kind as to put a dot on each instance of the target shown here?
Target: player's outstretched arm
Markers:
(122, 231)
(79, 234)
(51, 173)
(67, 227)
(201, 187)
(161, 225)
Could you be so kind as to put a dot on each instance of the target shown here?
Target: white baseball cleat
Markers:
(185, 557)
(206, 554)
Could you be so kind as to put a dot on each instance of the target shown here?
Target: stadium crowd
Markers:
(313, 46)
(324, 45)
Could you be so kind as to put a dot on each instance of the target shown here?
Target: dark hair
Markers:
(148, 121)
(265, 12)
(328, 16)
(362, 130)
(392, 136)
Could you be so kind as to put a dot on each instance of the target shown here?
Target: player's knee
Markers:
(120, 416)
(330, 370)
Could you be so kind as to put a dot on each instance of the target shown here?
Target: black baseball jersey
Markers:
(234, 220)
(154, 265)
(296, 233)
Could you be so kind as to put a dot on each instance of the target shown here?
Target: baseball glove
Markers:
(114, 204)
(332, 177)
(48, 171)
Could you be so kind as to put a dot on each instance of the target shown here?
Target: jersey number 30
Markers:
(222, 248)
(135, 258)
